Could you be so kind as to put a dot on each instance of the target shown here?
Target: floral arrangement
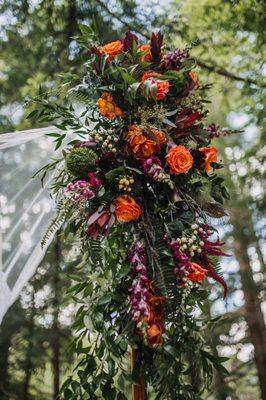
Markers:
(139, 187)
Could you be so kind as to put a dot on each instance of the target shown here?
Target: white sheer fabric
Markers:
(25, 208)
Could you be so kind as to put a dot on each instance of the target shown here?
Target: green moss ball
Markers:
(81, 161)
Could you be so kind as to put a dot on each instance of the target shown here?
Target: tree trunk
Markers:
(28, 359)
(220, 386)
(253, 312)
(4, 363)
(55, 328)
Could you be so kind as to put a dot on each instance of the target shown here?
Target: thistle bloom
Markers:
(94, 181)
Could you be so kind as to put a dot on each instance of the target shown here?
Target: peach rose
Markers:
(147, 56)
(179, 159)
(210, 156)
(126, 209)
(154, 333)
(141, 146)
(162, 86)
(107, 106)
(112, 49)
(198, 273)
(160, 136)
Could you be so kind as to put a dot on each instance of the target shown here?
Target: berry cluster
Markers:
(105, 138)
(191, 243)
(125, 183)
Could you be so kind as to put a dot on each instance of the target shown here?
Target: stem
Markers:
(138, 390)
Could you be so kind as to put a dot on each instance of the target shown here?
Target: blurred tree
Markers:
(35, 335)
(14, 321)
(37, 43)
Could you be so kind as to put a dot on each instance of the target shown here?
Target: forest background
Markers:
(37, 44)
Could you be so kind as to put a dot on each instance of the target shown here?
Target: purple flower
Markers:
(182, 261)
(128, 41)
(174, 60)
(152, 166)
(83, 190)
(139, 291)
(213, 130)
(94, 181)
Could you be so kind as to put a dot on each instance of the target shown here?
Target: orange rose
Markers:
(112, 49)
(147, 56)
(179, 159)
(160, 136)
(126, 209)
(107, 106)
(210, 156)
(198, 273)
(162, 86)
(156, 301)
(141, 146)
(195, 78)
(154, 333)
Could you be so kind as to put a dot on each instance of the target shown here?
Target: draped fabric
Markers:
(25, 208)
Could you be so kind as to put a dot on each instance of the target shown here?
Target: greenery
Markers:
(80, 161)
(229, 54)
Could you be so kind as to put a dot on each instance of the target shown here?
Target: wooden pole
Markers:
(138, 390)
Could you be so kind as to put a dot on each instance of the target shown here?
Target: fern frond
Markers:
(95, 251)
(62, 212)
(79, 95)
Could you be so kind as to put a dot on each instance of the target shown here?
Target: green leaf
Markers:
(106, 299)
(56, 135)
(123, 271)
(32, 114)
(171, 350)
(86, 30)
(114, 173)
(133, 88)
(128, 79)
(168, 122)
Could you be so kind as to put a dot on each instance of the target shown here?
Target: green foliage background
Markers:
(37, 46)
